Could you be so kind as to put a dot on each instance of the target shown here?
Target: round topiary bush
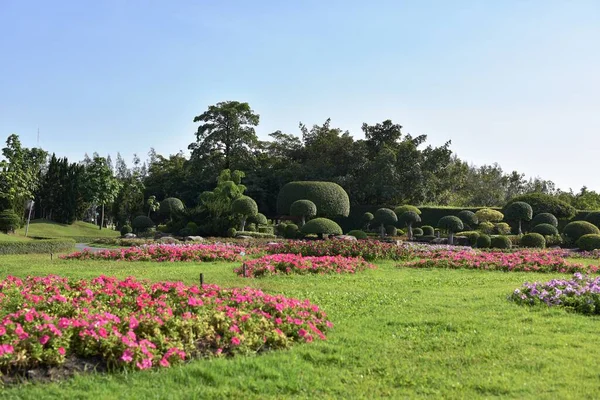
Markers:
(545, 203)
(451, 224)
(593, 218)
(500, 242)
(258, 219)
(171, 206)
(330, 198)
(366, 219)
(418, 232)
(125, 229)
(486, 227)
(291, 231)
(357, 233)
(9, 221)
(533, 240)
(428, 230)
(576, 229)
(246, 207)
(321, 226)
(545, 229)
(489, 215)
(251, 227)
(472, 236)
(383, 217)
(544, 218)
(141, 223)
(408, 218)
(391, 230)
(589, 242)
(484, 241)
(304, 209)
(502, 228)
(518, 211)
(231, 232)
(402, 209)
(468, 218)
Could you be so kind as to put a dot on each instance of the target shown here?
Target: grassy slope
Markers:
(12, 238)
(398, 333)
(48, 229)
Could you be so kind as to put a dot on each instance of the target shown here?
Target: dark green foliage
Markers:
(533, 240)
(9, 221)
(472, 236)
(574, 230)
(251, 227)
(391, 230)
(125, 229)
(484, 241)
(502, 228)
(385, 216)
(545, 203)
(256, 235)
(418, 232)
(141, 223)
(258, 219)
(367, 218)
(450, 223)
(231, 232)
(266, 229)
(357, 233)
(171, 206)
(244, 205)
(545, 229)
(468, 218)
(37, 246)
(500, 242)
(192, 226)
(330, 198)
(428, 230)
(594, 218)
(402, 209)
(321, 226)
(518, 211)
(408, 218)
(589, 242)
(303, 208)
(291, 231)
(544, 218)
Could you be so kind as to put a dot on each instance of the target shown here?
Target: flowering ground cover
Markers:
(138, 324)
(370, 250)
(581, 294)
(167, 252)
(522, 260)
(287, 264)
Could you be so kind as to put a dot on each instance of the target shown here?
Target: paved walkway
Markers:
(82, 246)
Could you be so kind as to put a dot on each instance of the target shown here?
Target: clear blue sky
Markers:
(513, 82)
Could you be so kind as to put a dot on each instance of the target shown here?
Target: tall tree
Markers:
(103, 186)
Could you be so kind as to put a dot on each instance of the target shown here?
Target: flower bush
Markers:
(138, 324)
(580, 294)
(288, 264)
(523, 260)
(370, 250)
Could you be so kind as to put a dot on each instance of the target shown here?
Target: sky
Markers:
(512, 82)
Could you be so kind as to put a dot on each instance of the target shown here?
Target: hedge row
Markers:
(37, 246)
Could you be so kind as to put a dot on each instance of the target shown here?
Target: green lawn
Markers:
(399, 333)
(79, 229)
(12, 238)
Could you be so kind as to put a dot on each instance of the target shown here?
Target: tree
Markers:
(171, 206)
(303, 209)
(409, 218)
(103, 186)
(320, 227)
(518, 211)
(383, 217)
(469, 218)
(152, 204)
(246, 207)
(366, 219)
(545, 203)
(330, 198)
(451, 224)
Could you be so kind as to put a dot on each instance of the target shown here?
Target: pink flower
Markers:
(302, 332)
(145, 364)
(2, 330)
(61, 351)
(235, 341)
(44, 339)
(6, 349)
(164, 363)
(133, 322)
(127, 356)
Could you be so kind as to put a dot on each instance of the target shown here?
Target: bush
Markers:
(574, 230)
(489, 215)
(321, 226)
(500, 242)
(518, 211)
(408, 218)
(266, 229)
(428, 230)
(486, 227)
(256, 235)
(304, 209)
(245, 206)
(367, 218)
(125, 229)
(484, 241)
(9, 221)
(291, 231)
(357, 233)
(402, 209)
(251, 227)
(391, 230)
(593, 218)
(472, 236)
(171, 206)
(451, 224)
(385, 216)
(330, 198)
(554, 240)
(141, 223)
(231, 232)
(545, 229)
(468, 218)
(258, 219)
(418, 232)
(589, 242)
(534, 240)
(545, 203)
(502, 228)
(544, 218)
(37, 246)
(191, 227)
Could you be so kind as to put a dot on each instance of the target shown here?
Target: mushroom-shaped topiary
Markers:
(366, 219)
(321, 226)
(546, 203)
(9, 221)
(451, 224)
(545, 230)
(489, 215)
(383, 217)
(576, 229)
(544, 218)
(409, 218)
(418, 232)
(402, 209)
(171, 206)
(593, 218)
(519, 211)
(246, 207)
(534, 240)
(331, 199)
(304, 209)
(258, 219)
(428, 230)
(357, 233)
(468, 218)
(141, 223)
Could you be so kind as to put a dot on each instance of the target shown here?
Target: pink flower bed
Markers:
(279, 264)
(138, 324)
(166, 252)
(522, 260)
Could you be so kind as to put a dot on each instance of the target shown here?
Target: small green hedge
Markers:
(545, 229)
(574, 230)
(37, 246)
(533, 240)
(358, 234)
(589, 242)
(257, 235)
(501, 242)
(484, 241)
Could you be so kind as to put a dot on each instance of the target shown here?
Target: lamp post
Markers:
(29, 205)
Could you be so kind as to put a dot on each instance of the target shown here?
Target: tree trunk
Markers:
(382, 231)
(302, 221)
(102, 217)
(450, 237)
(243, 224)
(520, 231)
(410, 233)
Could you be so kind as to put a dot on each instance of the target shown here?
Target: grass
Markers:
(79, 229)
(12, 238)
(399, 333)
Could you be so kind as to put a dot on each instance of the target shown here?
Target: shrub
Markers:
(266, 229)
(451, 224)
(171, 206)
(544, 218)
(489, 215)
(256, 235)
(258, 219)
(554, 240)
(141, 223)
(357, 233)
(231, 232)
(502, 228)
(500, 242)
(402, 209)
(418, 232)
(366, 219)
(408, 218)
(303, 209)
(125, 229)
(251, 227)
(246, 207)
(545, 203)
(428, 230)
(9, 221)
(486, 227)
(321, 226)
(383, 217)
(484, 241)
(468, 218)
(288, 264)
(593, 218)
(37, 246)
(576, 229)
(545, 229)
(391, 230)
(291, 231)
(533, 240)
(518, 211)
(330, 198)
(589, 242)
(472, 236)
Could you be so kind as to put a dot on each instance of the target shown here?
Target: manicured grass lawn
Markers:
(399, 333)
(12, 238)
(49, 229)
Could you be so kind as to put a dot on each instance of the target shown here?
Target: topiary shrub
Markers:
(502, 228)
(576, 229)
(171, 206)
(544, 218)
(125, 229)
(451, 224)
(231, 232)
(330, 198)
(533, 240)
(468, 218)
(383, 217)
(428, 230)
(357, 233)
(518, 211)
(486, 227)
(402, 209)
(366, 219)
(472, 236)
(251, 227)
(593, 218)
(545, 203)
(246, 207)
(484, 241)
(489, 215)
(500, 242)
(320, 227)
(589, 242)
(304, 209)
(417, 232)
(545, 230)
(141, 223)
(9, 221)
(258, 219)
(391, 230)
(291, 231)
(408, 218)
